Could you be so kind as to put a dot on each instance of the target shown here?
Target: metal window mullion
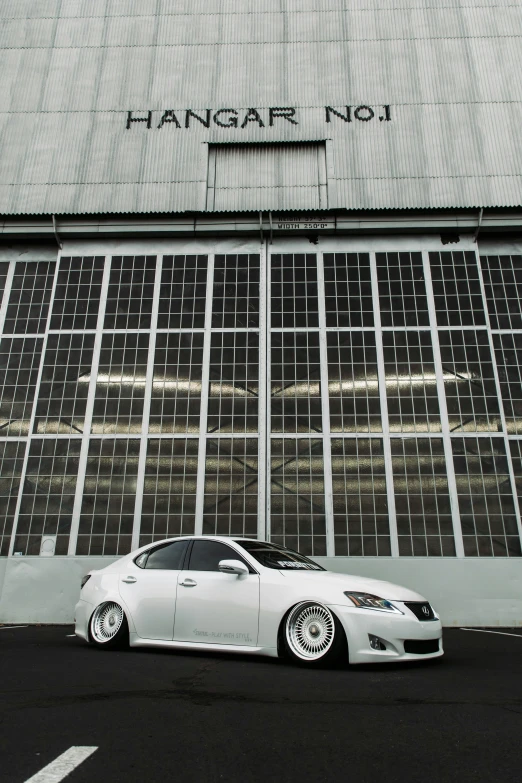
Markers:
(268, 407)
(203, 411)
(386, 442)
(89, 407)
(6, 295)
(511, 471)
(147, 397)
(33, 410)
(325, 411)
(262, 396)
(443, 410)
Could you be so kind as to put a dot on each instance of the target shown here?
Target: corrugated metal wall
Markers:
(72, 69)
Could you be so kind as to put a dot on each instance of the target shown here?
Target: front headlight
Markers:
(369, 601)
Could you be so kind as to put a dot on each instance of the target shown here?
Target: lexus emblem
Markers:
(426, 610)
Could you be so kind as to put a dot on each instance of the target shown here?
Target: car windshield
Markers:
(279, 557)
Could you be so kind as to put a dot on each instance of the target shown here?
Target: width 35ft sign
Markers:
(244, 118)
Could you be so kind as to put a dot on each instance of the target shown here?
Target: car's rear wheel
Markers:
(313, 635)
(108, 626)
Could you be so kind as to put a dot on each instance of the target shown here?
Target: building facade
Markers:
(297, 319)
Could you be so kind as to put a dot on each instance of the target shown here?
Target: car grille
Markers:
(421, 610)
(421, 646)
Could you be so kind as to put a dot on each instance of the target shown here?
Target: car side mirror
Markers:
(232, 567)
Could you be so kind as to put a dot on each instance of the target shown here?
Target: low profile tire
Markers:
(108, 627)
(313, 636)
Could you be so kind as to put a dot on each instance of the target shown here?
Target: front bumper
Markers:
(392, 629)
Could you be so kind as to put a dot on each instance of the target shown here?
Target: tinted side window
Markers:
(206, 555)
(168, 557)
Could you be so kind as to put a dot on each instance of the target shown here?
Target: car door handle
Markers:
(129, 579)
(188, 583)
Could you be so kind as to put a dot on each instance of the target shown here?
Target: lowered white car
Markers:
(247, 596)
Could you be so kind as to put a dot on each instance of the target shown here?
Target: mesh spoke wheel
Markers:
(310, 631)
(106, 622)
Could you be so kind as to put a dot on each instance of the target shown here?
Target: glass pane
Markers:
(456, 289)
(167, 558)
(234, 382)
(131, 289)
(353, 386)
(402, 292)
(231, 487)
(348, 289)
(503, 284)
(29, 299)
(235, 302)
(508, 354)
(360, 502)
(169, 491)
(109, 496)
(295, 382)
(297, 495)
(77, 294)
(176, 386)
(487, 511)
(19, 363)
(206, 555)
(65, 383)
(411, 386)
(11, 460)
(422, 500)
(294, 290)
(182, 292)
(469, 381)
(120, 384)
(48, 495)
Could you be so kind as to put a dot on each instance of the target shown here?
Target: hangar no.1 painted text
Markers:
(245, 118)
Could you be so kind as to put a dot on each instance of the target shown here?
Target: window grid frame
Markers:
(441, 393)
(263, 432)
(489, 288)
(508, 401)
(30, 434)
(43, 320)
(518, 510)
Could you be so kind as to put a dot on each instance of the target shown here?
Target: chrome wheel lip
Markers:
(106, 622)
(310, 630)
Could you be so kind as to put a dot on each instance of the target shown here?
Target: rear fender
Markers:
(106, 588)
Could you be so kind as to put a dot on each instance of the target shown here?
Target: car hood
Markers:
(343, 582)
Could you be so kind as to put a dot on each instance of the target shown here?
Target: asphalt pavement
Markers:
(166, 716)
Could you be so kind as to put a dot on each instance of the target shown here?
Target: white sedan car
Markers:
(242, 595)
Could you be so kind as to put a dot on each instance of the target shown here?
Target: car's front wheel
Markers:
(108, 626)
(313, 635)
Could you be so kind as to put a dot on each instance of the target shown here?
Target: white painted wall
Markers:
(464, 592)
(43, 589)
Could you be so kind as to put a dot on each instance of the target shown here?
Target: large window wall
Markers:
(342, 403)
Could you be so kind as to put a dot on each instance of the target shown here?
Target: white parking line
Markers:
(9, 627)
(70, 635)
(499, 633)
(62, 766)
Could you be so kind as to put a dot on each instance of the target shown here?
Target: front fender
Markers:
(277, 596)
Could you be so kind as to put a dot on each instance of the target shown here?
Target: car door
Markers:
(212, 607)
(149, 588)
